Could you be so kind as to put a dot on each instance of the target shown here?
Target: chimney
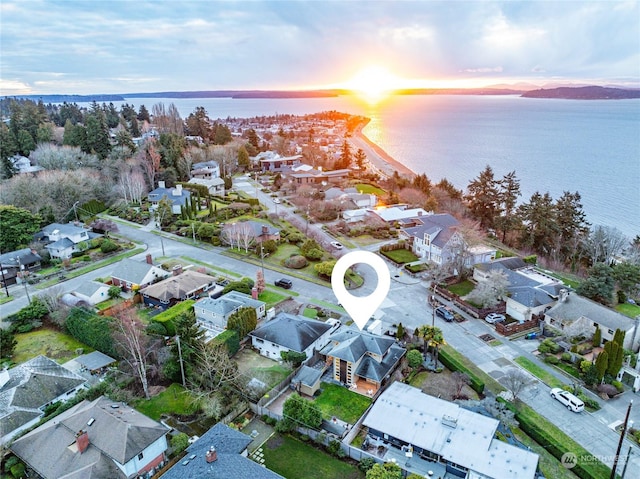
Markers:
(176, 270)
(177, 191)
(82, 441)
(212, 455)
(149, 259)
(564, 294)
(265, 230)
(161, 184)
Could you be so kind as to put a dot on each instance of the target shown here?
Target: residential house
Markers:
(271, 161)
(531, 292)
(205, 170)
(22, 165)
(362, 357)
(316, 176)
(99, 439)
(94, 362)
(575, 315)
(220, 453)
(353, 216)
(11, 263)
(393, 213)
(62, 240)
(131, 274)
(452, 438)
(187, 284)
(287, 332)
(178, 197)
(214, 313)
(252, 231)
(215, 186)
(435, 238)
(28, 388)
(350, 198)
(92, 292)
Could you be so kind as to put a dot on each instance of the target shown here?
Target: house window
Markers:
(611, 331)
(258, 340)
(140, 456)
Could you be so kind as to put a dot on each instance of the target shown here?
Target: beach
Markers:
(379, 160)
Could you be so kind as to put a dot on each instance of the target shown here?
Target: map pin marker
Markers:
(360, 308)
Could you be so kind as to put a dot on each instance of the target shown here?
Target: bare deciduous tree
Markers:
(137, 349)
(149, 160)
(489, 292)
(238, 235)
(459, 381)
(515, 381)
(604, 243)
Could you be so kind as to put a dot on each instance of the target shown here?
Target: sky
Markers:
(121, 46)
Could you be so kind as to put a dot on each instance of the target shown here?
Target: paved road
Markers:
(406, 303)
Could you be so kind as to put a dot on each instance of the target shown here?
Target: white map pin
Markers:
(360, 308)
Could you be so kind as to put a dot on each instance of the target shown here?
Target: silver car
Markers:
(492, 318)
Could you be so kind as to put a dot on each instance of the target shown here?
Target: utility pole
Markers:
(622, 434)
(626, 463)
(262, 258)
(180, 358)
(24, 281)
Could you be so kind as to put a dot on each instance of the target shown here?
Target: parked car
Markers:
(284, 283)
(336, 245)
(493, 318)
(276, 201)
(444, 313)
(572, 402)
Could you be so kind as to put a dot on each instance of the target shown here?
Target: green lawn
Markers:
(271, 375)
(400, 256)
(310, 313)
(294, 459)
(463, 288)
(56, 345)
(340, 402)
(5, 299)
(173, 400)
(271, 298)
(542, 374)
(631, 310)
(370, 189)
(418, 379)
(548, 464)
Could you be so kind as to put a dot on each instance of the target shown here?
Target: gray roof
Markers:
(458, 435)
(178, 287)
(160, 193)
(116, 433)
(62, 243)
(30, 386)
(258, 227)
(95, 360)
(575, 307)
(307, 375)
(440, 224)
(296, 333)
(26, 255)
(511, 263)
(228, 303)
(230, 463)
(89, 288)
(371, 369)
(350, 345)
(63, 228)
(132, 271)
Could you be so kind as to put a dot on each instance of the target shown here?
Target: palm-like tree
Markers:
(432, 336)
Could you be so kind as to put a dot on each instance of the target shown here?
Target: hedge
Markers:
(167, 317)
(454, 364)
(91, 329)
(557, 443)
(230, 339)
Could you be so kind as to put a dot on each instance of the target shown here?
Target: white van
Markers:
(572, 402)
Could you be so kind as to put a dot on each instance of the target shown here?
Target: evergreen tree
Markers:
(509, 192)
(98, 141)
(597, 338)
(8, 148)
(345, 159)
(602, 362)
(483, 198)
(143, 114)
(243, 158)
(539, 225)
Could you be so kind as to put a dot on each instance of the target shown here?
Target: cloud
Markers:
(483, 70)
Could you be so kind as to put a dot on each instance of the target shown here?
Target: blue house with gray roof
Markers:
(220, 453)
(178, 196)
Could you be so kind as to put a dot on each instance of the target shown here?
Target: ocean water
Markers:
(592, 147)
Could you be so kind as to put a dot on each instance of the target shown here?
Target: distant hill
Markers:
(583, 93)
(70, 98)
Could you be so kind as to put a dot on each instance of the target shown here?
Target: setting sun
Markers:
(374, 83)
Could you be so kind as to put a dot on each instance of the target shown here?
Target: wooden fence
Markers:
(513, 328)
(118, 308)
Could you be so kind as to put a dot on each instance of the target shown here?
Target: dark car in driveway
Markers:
(444, 313)
(284, 283)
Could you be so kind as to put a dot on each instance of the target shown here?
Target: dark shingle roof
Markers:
(230, 463)
(350, 345)
(178, 287)
(442, 224)
(133, 271)
(307, 376)
(95, 360)
(293, 332)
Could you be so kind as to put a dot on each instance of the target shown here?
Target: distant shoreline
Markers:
(378, 158)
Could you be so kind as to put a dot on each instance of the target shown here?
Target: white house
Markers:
(575, 316)
(92, 292)
(435, 238)
(28, 388)
(178, 197)
(457, 441)
(287, 332)
(214, 313)
(64, 239)
(101, 439)
(531, 292)
(205, 170)
(215, 186)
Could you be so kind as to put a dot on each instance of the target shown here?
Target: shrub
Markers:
(18, 470)
(566, 357)
(414, 358)
(268, 247)
(295, 238)
(314, 254)
(179, 442)
(108, 246)
(551, 360)
(549, 346)
(618, 385)
(156, 328)
(296, 262)
(366, 463)
(230, 339)
(334, 448)
(608, 389)
(452, 363)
